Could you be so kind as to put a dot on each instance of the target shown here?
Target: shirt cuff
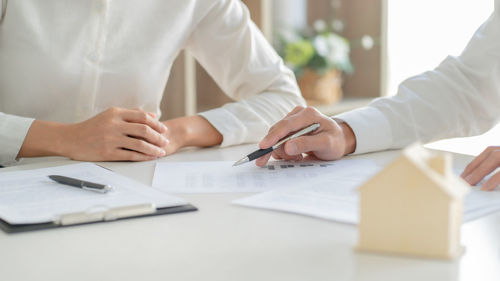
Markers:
(232, 130)
(13, 131)
(371, 129)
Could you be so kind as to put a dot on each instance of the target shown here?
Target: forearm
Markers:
(44, 139)
(193, 131)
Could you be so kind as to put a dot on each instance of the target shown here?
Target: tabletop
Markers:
(223, 241)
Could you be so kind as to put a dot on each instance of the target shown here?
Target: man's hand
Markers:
(329, 142)
(116, 134)
(486, 163)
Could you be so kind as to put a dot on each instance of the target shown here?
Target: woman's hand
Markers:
(116, 134)
(190, 131)
(486, 163)
(330, 141)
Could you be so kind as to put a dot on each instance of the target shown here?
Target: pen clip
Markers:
(104, 189)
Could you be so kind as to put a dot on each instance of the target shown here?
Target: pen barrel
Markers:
(92, 185)
(259, 153)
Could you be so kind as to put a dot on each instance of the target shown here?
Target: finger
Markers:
(492, 182)
(262, 161)
(294, 111)
(130, 155)
(142, 147)
(145, 132)
(289, 125)
(281, 154)
(322, 145)
(276, 155)
(476, 162)
(141, 117)
(149, 113)
(485, 168)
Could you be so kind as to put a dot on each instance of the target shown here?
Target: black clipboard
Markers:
(18, 228)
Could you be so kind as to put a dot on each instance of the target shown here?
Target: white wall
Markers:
(420, 34)
(289, 14)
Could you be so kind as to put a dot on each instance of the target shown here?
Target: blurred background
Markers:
(344, 52)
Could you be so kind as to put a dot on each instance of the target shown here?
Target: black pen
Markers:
(102, 188)
(261, 152)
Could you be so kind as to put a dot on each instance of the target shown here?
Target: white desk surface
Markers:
(227, 242)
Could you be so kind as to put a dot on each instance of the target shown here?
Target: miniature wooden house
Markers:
(413, 207)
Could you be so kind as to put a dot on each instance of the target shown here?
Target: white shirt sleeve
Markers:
(235, 53)
(461, 97)
(13, 130)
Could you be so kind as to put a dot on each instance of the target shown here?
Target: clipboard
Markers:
(42, 203)
(130, 212)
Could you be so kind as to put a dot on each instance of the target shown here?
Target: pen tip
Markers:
(241, 161)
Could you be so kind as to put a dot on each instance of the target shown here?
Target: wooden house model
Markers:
(413, 207)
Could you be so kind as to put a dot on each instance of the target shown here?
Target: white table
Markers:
(227, 242)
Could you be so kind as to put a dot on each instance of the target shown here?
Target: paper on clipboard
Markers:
(29, 197)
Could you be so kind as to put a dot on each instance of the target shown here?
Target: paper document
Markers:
(28, 197)
(336, 198)
(221, 176)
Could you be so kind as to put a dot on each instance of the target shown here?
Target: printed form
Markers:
(221, 176)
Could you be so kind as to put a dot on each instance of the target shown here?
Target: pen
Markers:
(261, 152)
(102, 188)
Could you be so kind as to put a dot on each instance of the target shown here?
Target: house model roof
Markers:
(436, 167)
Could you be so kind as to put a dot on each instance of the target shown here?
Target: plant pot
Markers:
(321, 89)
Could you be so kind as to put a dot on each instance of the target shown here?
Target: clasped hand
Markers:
(119, 134)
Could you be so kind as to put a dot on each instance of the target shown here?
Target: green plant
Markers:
(319, 49)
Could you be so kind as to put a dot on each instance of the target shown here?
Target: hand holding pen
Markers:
(332, 140)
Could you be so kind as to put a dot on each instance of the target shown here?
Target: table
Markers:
(227, 242)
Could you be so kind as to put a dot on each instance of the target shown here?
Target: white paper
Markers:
(221, 176)
(31, 197)
(337, 199)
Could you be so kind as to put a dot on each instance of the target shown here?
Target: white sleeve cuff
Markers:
(13, 131)
(371, 128)
(231, 128)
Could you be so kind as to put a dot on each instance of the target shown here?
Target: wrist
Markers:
(192, 131)
(349, 138)
(177, 132)
(45, 139)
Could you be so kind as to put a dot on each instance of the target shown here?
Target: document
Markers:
(336, 198)
(29, 197)
(221, 176)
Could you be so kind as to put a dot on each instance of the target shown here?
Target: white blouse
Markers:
(67, 61)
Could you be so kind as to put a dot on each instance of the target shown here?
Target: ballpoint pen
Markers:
(261, 152)
(97, 187)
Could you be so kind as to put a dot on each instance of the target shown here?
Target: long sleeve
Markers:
(235, 53)
(13, 130)
(461, 97)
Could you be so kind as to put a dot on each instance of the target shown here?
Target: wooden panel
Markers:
(209, 94)
(361, 17)
(365, 18)
(172, 104)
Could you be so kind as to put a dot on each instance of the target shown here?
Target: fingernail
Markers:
(162, 152)
(165, 140)
(292, 149)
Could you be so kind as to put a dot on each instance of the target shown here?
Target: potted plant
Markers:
(318, 57)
